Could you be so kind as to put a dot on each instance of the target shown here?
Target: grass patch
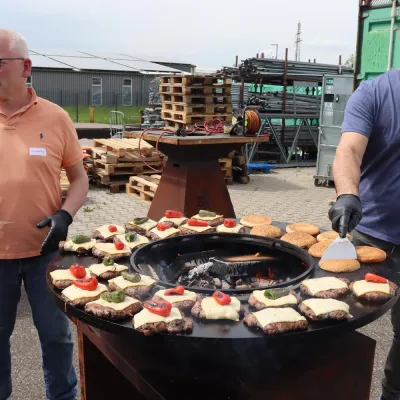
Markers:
(102, 114)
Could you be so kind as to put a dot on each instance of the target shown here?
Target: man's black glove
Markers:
(58, 224)
(345, 214)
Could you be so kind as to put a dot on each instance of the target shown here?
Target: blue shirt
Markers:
(374, 111)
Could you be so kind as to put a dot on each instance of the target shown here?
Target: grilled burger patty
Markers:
(114, 315)
(80, 302)
(198, 312)
(137, 229)
(260, 306)
(185, 231)
(62, 284)
(180, 305)
(327, 294)
(101, 254)
(185, 325)
(137, 292)
(377, 296)
(275, 328)
(214, 223)
(154, 236)
(338, 315)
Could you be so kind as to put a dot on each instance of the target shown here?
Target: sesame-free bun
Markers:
(339, 265)
(330, 235)
(370, 255)
(255, 220)
(300, 239)
(318, 249)
(304, 227)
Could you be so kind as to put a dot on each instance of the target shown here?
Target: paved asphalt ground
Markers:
(285, 195)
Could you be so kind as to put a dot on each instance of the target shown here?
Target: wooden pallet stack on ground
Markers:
(187, 100)
(64, 183)
(239, 166)
(116, 160)
(226, 168)
(143, 187)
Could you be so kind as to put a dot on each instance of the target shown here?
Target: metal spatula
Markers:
(340, 249)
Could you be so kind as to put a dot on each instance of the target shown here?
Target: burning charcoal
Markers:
(225, 285)
(239, 282)
(243, 287)
(205, 284)
(217, 283)
(200, 270)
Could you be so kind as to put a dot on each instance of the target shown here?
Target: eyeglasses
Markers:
(6, 59)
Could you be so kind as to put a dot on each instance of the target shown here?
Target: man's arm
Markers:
(347, 163)
(78, 189)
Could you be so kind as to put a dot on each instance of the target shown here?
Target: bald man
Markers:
(37, 139)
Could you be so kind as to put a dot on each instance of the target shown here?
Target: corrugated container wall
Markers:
(378, 39)
(69, 88)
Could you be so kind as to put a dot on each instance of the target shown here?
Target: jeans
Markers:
(391, 381)
(50, 321)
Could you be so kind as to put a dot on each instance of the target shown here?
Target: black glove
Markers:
(345, 214)
(58, 223)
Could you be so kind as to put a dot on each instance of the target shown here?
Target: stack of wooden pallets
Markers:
(226, 167)
(64, 183)
(143, 186)
(191, 99)
(116, 160)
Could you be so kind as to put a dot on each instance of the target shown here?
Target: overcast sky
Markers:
(207, 33)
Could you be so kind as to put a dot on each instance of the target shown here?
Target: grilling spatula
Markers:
(340, 249)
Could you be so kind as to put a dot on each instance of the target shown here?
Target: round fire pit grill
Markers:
(363, 312)
(255, 259)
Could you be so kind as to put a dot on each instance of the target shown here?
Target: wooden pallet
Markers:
(194, 80)
(193, 119)
(124, 168)
(121, 146)
(117, 178)
(184, 109)
(109, 157)
(195, 90)
(195, 100)
(143, 187)
(226, 166)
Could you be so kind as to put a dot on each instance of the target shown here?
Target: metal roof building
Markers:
(71, 78)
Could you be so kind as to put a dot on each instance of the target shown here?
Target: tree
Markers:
(351, 61)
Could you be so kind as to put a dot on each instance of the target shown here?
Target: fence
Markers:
(78, 104)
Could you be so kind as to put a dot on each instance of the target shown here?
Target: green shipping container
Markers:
(378, 39)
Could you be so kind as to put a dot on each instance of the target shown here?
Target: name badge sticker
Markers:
(37, 151)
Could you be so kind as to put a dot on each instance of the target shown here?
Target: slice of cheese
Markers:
(98, 269)
(197, 228)
(282, 301)
(166, 233)
(74, 293)
(109, 248)
(128, 301)
(176, 221)
(223, 229)
(324, 306)
(104, 231)
(276, 315)
(69, 245)
(65, 275)
(363, 287)
(123, 283)
(139, 239)
(147, 317)
(187, 295)
(197, 216)
(323, 284)
(213, 310)
(150, 224)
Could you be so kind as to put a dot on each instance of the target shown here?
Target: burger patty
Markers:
(62, 284)
(198, 312)
(154, 236)
(338, 315)
(261, 306)
(101, 254)
(109, 275)
(97, 235)
(109, 313)
(214, 223)
(137, 229)
(185, 231)
(327, 294)
(184, 325)
(275, 328)
(377, 296)
(180, 305)
(137, 292)
(80, 251)
(80, 302)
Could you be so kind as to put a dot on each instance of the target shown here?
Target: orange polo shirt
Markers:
(35, 143)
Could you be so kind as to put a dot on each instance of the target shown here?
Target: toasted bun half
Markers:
(318, 249)
(304, 227)
(370, 255)
(330, 235)
(300, 239)
(268, 231)
(255, 220)
(339, 265)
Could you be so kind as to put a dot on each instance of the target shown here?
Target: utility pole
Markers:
(276, 53)
(298, 41)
